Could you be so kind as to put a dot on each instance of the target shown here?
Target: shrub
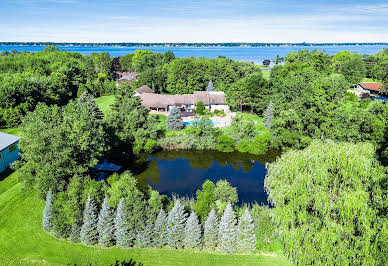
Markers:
(150, 145)
(200, 108)
(225, 143)
(330, 204)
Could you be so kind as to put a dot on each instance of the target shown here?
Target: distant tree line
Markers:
(186, 44)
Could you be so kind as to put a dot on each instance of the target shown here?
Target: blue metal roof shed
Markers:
(9, 151)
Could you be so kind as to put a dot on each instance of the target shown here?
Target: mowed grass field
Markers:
(105, 102)
(23, 242)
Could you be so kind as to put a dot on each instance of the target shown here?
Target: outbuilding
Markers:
(9, 151)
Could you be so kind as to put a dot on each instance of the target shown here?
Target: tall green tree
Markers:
(176, 226)
(71, 141)
(350, 65)
(329, 203)
(210, 236)
(246, 238)
(160, 230)
(46, 221)
(105, 225)
(227, 231)
(124, 232)
(174, 119)
(89, 232)
(205, 200)
(193, 232)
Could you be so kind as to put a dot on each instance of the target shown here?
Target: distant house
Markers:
(143, 89)
(214, 100)
(126, 77)
(9, 151)
(367, 89)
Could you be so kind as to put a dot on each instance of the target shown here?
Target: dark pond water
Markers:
(183, 172)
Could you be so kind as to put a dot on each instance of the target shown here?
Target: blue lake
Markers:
(255, 54)
(183, 172)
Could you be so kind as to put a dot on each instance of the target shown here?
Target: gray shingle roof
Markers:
(7, 140)
(144, 89)
(153, 100)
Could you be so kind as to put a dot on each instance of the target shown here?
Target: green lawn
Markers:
(266, 74)
(105, 102)
(370, 80)
(14, 131)
(22, 240)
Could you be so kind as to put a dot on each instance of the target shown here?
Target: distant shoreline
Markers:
(232, 44)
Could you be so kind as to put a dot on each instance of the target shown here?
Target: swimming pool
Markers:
(195, 123)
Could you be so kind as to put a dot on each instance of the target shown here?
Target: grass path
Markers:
(105, 102)
(23, 242)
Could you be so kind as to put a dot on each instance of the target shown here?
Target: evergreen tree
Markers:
(76, 229)
(89, 233)
(176, 225)
(88, 100)
(145, 235)
(124, 234)
(211, 231)
(46, 221)
(174, 120)
(268, 115)
(193, 232)
(210, 86)
(246, 238)
(227, 232)
(105, 225)
(75, 233)
(160, 230)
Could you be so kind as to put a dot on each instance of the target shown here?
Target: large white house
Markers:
(213, 100)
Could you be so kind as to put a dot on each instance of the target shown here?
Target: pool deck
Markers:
(219, 121)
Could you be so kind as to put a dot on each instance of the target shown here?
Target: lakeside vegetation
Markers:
(327, 136)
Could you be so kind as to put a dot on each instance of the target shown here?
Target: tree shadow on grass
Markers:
(7, 172)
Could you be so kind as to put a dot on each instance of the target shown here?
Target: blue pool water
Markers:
(191, 123)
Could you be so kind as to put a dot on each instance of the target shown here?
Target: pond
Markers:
(183, 172)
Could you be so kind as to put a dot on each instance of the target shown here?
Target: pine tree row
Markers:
(175, 229)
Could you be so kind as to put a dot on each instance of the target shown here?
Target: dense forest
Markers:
(327, 190)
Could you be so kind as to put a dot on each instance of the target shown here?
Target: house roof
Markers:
(144, 89)
(7, 140)
(127, 78)
(153, 100)
(372, 86)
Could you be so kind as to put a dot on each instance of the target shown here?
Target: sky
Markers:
(193, 21)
